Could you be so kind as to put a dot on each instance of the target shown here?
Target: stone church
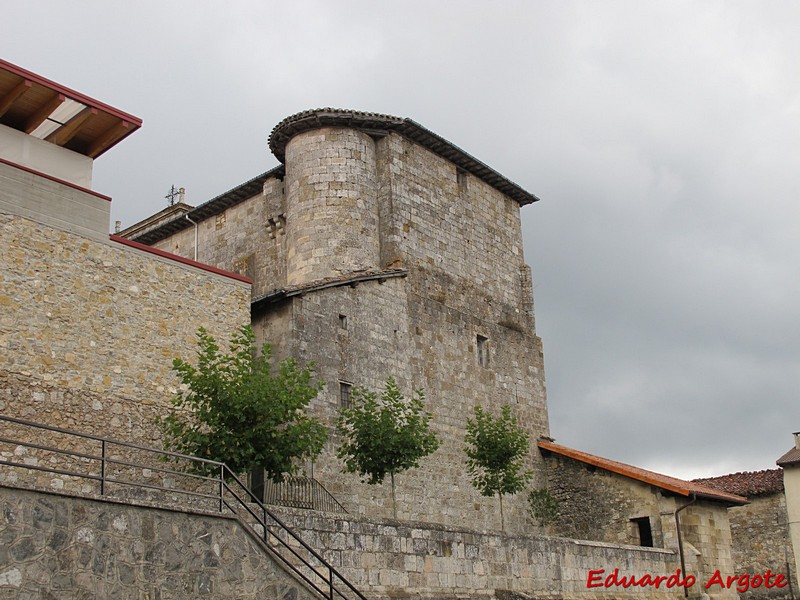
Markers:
(376, 248)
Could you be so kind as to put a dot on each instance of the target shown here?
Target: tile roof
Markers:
(339, 280)
(379, 125)
(665, 482)
(747, 483)
(792, 457)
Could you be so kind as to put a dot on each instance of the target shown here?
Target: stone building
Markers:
(609, 501)
(790, 464)
(89, 323)
(378, 249)
(759, 529)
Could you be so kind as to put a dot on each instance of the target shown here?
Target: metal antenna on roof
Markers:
(173, 193)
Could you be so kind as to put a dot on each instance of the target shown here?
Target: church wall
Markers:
(89, 329)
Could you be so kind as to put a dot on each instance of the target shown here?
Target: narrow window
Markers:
(483, 351)
(461, 178)
(342, 321)
(645, 531)
(344, 394)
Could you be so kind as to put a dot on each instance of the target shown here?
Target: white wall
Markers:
(47, 158)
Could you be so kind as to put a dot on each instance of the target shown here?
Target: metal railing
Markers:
(116, 470)
(301, 492)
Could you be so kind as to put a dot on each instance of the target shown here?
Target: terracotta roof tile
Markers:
(747, 483)
(792, 457)
(665, 482)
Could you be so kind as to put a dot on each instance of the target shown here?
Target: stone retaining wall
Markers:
(64, 547)
(421, 560)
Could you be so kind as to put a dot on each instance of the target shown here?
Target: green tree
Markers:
(385, 436)
(234, 409)
(496, 450)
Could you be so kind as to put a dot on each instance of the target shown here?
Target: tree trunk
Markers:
(394, 499)
(502, 518)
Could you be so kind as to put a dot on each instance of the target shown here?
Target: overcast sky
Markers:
(663, 139)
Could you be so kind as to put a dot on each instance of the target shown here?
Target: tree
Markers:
(232, 408)
(496, 451)
(385, 436)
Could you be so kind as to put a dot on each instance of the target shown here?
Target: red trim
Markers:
(180, 259)
(56, 179)
(72, 94)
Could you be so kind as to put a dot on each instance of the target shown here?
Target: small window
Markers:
(344, 394)
(644, 530)
(483, 350)
(461, 178)
(342, 321)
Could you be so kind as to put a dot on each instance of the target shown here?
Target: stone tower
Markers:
(378, 248)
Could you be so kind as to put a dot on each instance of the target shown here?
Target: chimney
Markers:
(181, 195)
(796, 435)
(117, 226)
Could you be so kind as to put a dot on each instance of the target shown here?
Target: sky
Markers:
(663, 139)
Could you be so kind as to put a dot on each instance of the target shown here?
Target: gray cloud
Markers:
(661, 137)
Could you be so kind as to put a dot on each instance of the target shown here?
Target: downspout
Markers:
(195, 223)
(680, 541)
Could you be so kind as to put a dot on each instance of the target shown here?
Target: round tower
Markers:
(331, 204)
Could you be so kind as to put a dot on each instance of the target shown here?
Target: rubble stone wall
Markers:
(89, 329)
(65, 547)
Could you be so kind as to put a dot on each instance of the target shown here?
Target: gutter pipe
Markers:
(196, 224)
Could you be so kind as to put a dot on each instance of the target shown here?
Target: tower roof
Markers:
(379, 125)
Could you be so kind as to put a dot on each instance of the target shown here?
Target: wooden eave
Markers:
(27, 100)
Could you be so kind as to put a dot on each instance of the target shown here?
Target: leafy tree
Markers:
(496, 450)
(385, 436)
(234, 409)
(542, 507)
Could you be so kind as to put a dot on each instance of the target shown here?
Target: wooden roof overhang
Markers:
(49, 111)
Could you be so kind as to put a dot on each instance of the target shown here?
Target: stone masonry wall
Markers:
(760, 535)
(392, 203)
(89, 329)
(63, 547)
(598, 505)
(392, 559)
(247, 238)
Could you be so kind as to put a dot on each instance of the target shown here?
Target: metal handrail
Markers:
(301, 492)
(322, 577)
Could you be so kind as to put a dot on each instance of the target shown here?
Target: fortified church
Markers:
(375, 248)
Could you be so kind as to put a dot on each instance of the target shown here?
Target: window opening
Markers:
(483, 351)
(343, 321)
(645, 531)
(344, 394)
